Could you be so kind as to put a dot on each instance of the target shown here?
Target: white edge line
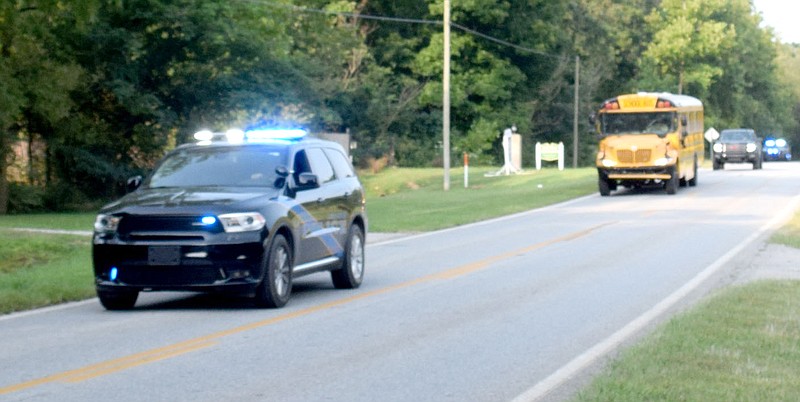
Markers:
(588, 357)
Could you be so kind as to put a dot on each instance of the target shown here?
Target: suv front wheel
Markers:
(117, 300)
(276, 287)
(350, 275)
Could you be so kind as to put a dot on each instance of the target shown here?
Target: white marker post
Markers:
(466, 170)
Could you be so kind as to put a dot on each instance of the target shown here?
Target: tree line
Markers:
(94, 91)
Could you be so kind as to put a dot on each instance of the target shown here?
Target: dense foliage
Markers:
(94, 91)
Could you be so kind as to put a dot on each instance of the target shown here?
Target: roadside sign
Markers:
(712, 134)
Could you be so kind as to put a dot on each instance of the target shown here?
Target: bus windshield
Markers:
(659, 123)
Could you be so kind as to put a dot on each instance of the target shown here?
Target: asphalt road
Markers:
(524, 307)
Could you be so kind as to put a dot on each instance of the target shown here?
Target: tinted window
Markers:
(340, 163)
(219, 166)
(736, 135)
(320, 165)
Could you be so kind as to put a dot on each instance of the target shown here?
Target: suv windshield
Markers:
(245, 166)
(659, 123)
(736, 135)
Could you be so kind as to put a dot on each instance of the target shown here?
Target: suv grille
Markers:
(149, 224)
(169, 276)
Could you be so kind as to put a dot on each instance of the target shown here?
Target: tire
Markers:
(717, 165)
(604, 187)
(118, 300)
(672, 184)
(276, 286)
(351, 274)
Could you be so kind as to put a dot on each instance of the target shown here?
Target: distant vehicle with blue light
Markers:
(239, 212)
(777, 149)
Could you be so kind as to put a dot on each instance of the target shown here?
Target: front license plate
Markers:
(163, 255)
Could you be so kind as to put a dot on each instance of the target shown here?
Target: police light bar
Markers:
(276, 134)
(204, 135)
(237, 136)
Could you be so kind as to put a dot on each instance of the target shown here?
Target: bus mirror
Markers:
(592, 119)
(684, 121)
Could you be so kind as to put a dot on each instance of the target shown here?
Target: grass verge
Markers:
(64, 221)
(741, 345)
(788, 234)
(410, 200)
(40, 269)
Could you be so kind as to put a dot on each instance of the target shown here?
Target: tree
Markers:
(36, 76)
(688, 40)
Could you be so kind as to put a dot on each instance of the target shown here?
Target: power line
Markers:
(404, 20)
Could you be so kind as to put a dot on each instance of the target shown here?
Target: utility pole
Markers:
(575, 113)
(446, 97)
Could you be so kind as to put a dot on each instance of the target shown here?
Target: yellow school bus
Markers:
(649, 139)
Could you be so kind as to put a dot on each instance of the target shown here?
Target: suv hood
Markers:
(187, 199)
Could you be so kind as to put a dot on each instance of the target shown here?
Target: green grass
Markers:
(789, 234)
(741, 345)
(72, 221)
(410, 200)
(38, 270)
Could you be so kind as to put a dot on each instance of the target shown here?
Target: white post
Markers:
(446, 97)
(538, 156)
(466, 170)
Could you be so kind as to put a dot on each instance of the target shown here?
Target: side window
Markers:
(320, 165)
(340, 164)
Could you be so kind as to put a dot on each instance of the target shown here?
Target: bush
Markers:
(25, 198)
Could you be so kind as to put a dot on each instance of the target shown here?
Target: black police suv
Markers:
(245, 215)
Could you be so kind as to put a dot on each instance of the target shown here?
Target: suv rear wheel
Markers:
(276, 287)
(352, 272)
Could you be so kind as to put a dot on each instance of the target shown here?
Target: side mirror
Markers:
(308, 180)
(592, 119)
(684, 121)
(133, 183)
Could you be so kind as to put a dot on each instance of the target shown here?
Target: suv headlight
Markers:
(751, 147)
(106, 223)
(718, 147)
(242, 222)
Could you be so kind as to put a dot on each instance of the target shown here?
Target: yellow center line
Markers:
(180, 348)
